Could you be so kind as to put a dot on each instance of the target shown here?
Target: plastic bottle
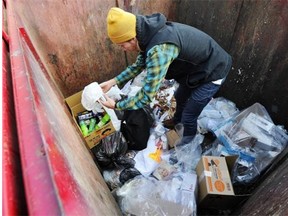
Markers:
(92, 125)
(84, 128)
(103, 121)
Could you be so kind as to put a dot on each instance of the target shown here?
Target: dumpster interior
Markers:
(59, 52)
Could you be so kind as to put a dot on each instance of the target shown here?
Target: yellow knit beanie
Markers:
(121, 25)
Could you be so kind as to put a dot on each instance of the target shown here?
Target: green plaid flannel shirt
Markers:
(157, 62)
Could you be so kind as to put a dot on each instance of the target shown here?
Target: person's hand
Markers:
(106, 86)
(109, 102)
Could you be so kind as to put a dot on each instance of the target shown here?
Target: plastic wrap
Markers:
(132, 87)
(153, 197)
(112, 178)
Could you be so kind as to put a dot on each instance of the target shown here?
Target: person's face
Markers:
(130, 45)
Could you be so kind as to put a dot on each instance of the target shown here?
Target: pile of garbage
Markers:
(161, 180)
(251, 135)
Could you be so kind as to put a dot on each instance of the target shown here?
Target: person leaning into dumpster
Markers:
(167, 50)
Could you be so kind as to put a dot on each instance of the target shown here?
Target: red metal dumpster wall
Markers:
(13, 199)
(60, 176)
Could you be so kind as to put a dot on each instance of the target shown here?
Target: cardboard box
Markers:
(172, 138)
(215, 186)
(92, 139)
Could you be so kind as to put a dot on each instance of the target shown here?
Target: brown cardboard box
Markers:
(92, 139)
(215, 186)
(172, 138)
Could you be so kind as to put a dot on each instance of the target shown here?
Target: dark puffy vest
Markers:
(201, 59)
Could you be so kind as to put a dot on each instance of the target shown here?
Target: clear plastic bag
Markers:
(188, 155)
(148, 159)
(157, 197)
(215, 112)
(253, 136)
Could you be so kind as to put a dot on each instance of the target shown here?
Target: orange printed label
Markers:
(219, 185)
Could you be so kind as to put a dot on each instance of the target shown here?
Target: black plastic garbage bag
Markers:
(124, 161)
(111, 150)
(135, 127)
(127, 174)
(115, 178)
(111, 177)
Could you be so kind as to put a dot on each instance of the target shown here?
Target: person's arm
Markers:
(158, 60)
(108, 102)
(131, 71)
(107, 85)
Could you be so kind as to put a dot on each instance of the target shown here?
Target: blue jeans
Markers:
(190, 103)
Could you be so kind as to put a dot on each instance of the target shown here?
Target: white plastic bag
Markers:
(91, 95)
(143, 162)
